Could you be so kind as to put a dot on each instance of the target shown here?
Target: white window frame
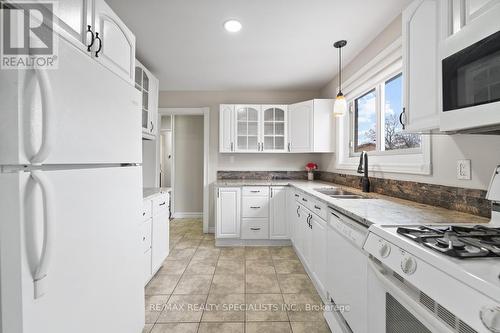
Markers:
(383, 67)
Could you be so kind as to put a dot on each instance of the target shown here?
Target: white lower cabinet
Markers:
(228, 216)
(318, 251)
(278, 222)
(155, 233)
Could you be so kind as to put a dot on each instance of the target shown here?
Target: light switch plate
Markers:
(463, 170)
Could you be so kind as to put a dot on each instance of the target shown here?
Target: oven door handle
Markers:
(434, 324)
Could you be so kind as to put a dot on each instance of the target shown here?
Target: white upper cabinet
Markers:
(303, 127)
(457, 14)
(274, 126)
(74, 18)
(114, 43)
(226, 128)
(311, 127)
(420, 66)
(248, 131)
(148, 86)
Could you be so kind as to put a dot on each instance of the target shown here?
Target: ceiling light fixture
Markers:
(232, 26)
(340, 106)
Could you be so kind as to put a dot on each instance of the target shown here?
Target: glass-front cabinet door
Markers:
(274, 125)
(142, 84)
(248, 118)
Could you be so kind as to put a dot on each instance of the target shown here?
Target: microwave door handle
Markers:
(42, 269)
(422, 314)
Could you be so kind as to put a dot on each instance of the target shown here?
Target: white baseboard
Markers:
(186, 215)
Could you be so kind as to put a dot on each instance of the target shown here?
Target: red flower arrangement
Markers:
(311, 166)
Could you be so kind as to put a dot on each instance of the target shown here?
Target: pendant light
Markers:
(340, 106)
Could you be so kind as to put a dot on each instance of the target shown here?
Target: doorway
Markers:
(183, 160)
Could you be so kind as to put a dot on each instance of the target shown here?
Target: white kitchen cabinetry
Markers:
(310, 127)
(226, 128)
(457, 14)
(248, 130)
(148, 86)
(155, 233)
(114, 44)
(274, 125)
(228, 216)
(279, 224)
(318, 251)
(421, 68)
(255, 212)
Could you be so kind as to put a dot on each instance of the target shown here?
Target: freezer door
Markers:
(79, 113)
(71, 252)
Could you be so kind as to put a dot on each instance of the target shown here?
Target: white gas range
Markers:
(440, 278)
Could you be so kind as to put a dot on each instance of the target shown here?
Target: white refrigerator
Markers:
(70, 200)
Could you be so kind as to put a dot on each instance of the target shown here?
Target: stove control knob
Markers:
(384, 248)
(408, 264)
(490, 316)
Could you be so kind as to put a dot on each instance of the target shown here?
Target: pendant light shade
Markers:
(340, 106)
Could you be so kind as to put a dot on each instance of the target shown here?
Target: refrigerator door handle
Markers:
(47, 115)
(41, 272)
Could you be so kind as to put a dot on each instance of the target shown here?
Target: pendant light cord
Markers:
(340, 69)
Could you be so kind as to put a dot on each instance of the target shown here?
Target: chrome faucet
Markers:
(363, 168)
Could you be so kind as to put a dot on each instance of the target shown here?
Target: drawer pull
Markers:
(255, 229)
(162, 204)
(143, 238)
(317, 207)
(143, 213)
(255, 191)
(304, 199)
(296, 195)
(335, 215)
(254, 207)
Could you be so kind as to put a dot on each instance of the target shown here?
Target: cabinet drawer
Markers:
(146, 234)
(255, 191)
(319, 208)
(146, 210)
(255, 207)
(160, 203)
(257, 229)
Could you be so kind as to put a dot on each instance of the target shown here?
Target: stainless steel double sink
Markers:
(338, 193)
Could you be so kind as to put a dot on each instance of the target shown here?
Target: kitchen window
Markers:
(376, 126)
(375, 99)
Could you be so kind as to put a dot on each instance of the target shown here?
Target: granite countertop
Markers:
(378, 209)
(151, 191)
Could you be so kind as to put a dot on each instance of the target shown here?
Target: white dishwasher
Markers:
(347, 266)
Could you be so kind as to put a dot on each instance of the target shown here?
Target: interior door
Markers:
(300, 127)
(248, 130)
(93, 251)
(77, 114)
(117, 42)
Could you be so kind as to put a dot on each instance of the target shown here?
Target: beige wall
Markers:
(188, 160)
(482, 150)
(218, 161)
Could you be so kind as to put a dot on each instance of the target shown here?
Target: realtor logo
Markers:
(27, 37)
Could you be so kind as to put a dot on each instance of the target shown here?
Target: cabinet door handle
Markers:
(255, 229)
(401, 115)
(304, 199)
(289, 146)
(143, 213)
(143, 238)
(232, 146)
(254, 207)
(298, 208)
(296, 195)
(92, 39)
(271, 192)
(317, 207)
(163, 203)
(152, 126)
(100, 44)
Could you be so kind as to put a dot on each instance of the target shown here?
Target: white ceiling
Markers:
(284, 44)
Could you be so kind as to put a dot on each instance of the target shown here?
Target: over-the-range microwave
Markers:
(470, 77)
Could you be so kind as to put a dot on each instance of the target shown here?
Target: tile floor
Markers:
(203, 288)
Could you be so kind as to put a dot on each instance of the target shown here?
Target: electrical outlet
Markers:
(463, 170)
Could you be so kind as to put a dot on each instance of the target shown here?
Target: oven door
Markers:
(470, 80)
(392, 307)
